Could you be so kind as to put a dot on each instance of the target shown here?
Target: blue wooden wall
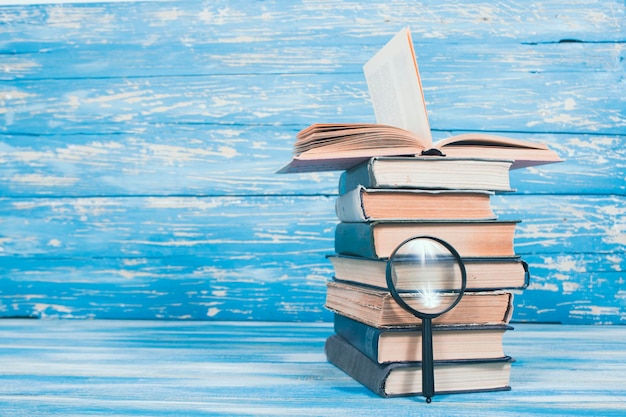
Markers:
(139, 141)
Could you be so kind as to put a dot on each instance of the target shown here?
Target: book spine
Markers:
(526, 274)
(508, 314)
(349, 206)
(363, 337)
(355, 364)
(355, 239)
(355, 176)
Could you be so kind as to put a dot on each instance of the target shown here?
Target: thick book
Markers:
(482, 273)
(376, 307)
(403, 344)
(402, 126)
(371, 204)
(337, 147)
(488, 238)
(405, 378)
(428, 173)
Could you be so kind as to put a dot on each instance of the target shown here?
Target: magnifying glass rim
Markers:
(396, 296)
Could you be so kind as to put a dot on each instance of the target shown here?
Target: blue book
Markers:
(403, 344)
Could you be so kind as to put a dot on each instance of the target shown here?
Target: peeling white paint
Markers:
(43, 180)
(135, 261)
(20, 66)
(565, 263)
(212, 312)
(596, 311)
(543, 287)
(41, 309)
(570, 287)
(616, 260)
(13, 95)
(184, 203)
(176, 154)
(169, 15)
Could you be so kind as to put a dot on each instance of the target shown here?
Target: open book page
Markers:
(395, 87)
(524, 153)
(326, 138)
(483, 139)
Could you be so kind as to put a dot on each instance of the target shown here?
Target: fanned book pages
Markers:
(402, 126)
(340, 147)
(377, 307)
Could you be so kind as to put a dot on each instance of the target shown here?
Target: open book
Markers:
(402, 126)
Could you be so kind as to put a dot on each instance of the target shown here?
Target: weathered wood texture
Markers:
(139, 141)
(157, 368)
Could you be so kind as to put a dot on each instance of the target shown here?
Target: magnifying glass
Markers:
(426, 276)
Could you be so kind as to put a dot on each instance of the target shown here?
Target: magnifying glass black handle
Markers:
(428, 378)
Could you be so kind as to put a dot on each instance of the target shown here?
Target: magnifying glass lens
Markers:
(426, 275)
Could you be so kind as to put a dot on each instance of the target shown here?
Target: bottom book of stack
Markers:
(388, 360)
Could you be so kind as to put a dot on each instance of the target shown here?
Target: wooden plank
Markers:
(564, 288)
(160, 368)
(230, 226)
(533, 71)
(175, 160)
(573, 288)
(156, 161)
(320, 22)
(153, 227)
(262, 258)
(486, 99)
(285, 53)
(174, 288)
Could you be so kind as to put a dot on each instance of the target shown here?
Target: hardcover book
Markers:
(403, 344)
(377, 308)
(405, 378)
(482, 273)
(428, 173)
(371, 204)
(489, 238)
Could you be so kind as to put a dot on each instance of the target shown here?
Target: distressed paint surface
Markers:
(139, 142)
(171, 368)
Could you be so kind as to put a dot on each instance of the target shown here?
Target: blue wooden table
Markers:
(170, 368)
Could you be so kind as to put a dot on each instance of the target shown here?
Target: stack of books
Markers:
(397, 184)
(386, 200)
